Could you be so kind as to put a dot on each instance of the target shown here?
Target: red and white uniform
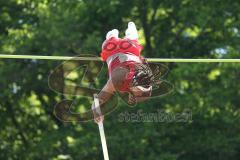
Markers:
(122, 52)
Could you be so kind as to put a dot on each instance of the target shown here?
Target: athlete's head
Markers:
(137, 81)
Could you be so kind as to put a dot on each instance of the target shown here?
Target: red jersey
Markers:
(122, 52)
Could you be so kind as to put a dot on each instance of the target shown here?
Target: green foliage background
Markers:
(168, 29)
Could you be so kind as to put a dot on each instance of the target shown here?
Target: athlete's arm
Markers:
(103, 96)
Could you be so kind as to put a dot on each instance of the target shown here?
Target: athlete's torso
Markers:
(120, 58)
(116, 51)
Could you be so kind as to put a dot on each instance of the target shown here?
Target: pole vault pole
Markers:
(101, 128)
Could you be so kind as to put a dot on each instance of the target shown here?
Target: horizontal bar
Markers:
(179, 60)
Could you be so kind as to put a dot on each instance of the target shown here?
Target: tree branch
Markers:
(146, 27)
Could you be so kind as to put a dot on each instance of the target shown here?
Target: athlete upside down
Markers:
(128, 71)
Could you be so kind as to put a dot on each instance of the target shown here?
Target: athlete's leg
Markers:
(113, 33)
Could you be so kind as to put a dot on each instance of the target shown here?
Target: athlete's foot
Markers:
(131, 31)
(112, 33)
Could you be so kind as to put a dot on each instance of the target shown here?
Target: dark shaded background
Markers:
(168, 29)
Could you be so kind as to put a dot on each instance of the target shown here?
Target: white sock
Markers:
(131, 31)
(112, 33)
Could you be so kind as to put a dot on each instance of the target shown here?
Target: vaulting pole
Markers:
(101, 128)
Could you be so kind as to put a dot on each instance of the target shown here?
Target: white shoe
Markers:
(112, 33)
(131, 31)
